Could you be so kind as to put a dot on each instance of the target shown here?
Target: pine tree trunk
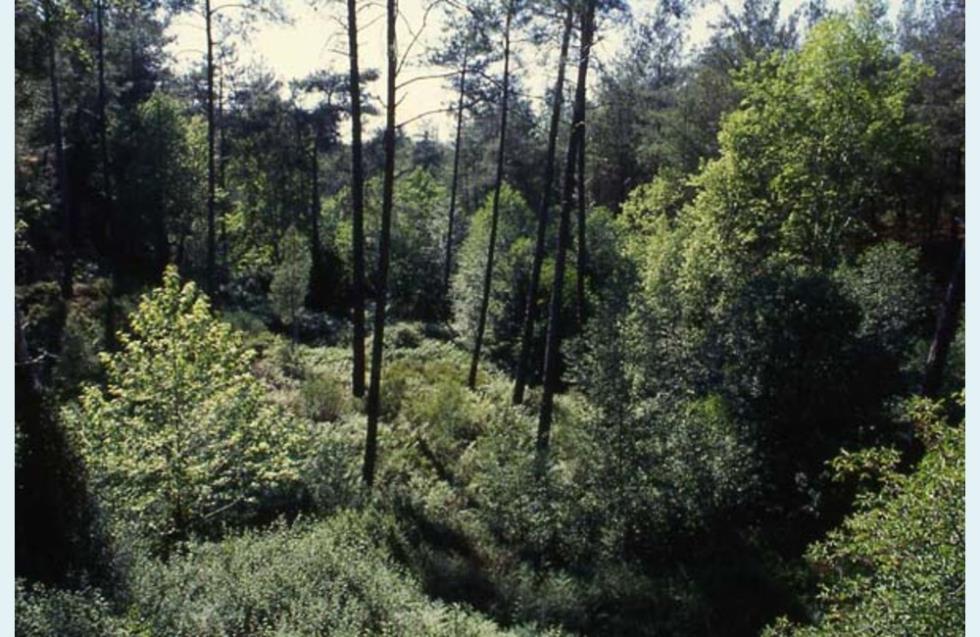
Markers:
(946, 323)
(488, 272)
(553, 343)
(455, 182)
(110, 235)
(377, 345)
(530, 306)
(61, 167)
(210, 275)
(161, 238)
(582, 254)
(357, 204)
(222, 240)
(315, 221)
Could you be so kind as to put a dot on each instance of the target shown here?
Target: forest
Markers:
(661, 335)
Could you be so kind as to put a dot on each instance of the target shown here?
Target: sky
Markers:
(315, 39)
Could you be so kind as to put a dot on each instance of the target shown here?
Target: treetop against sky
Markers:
(314, 39)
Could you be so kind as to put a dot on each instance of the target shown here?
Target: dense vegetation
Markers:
(676, 351)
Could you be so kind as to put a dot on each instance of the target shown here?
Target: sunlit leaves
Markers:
(181, 438)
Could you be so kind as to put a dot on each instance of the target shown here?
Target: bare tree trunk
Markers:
(946, 323)
(582, 254)
(455, 182)
(357, 204)
(488, 272)
(315, 207)
(210, 278)
(110, 304)
(553, 344)
(61, 167)
(161, 237)
(222, 240)
(377, 345)
(520, 381)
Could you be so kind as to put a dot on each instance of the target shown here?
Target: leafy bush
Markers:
(406, 335)
(182, 439)
(897, 565)
(332, 471)
(328, 578)
(323, 396)
(48, 612)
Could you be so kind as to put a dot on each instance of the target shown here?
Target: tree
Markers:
(106, 178)
(551, 358)
(466, 49)
(53, 17)
(934, 33)
(251, 10)
(377, 344)
(291, 281)
(527, 333)
(625, 134)
(781, 151)
(161, 182)
(357, 202)
(510, 275)
(746, 284)
(181, 439)
(322, 121)
(491, 246)
(416, 247)
(581, 243)
(946, 322)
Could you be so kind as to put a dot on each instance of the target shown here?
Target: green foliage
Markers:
(897, 564)
(332, 472)
(741, 296)
(810, 165)
(331, 577)
(886, 284)
(49, 612)
(182, 438)
(417, 242)
(512, 263)
(163, 188)
(610, 271)
(663, 196)
(418, 247)
(292, 278)
(323, 396)
(756, 320)
(817, 151)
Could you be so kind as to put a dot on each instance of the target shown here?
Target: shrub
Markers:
(406, 335)
(332, 471)
(329, 578)
(323, 397)
(897, 565)
(48, 612)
